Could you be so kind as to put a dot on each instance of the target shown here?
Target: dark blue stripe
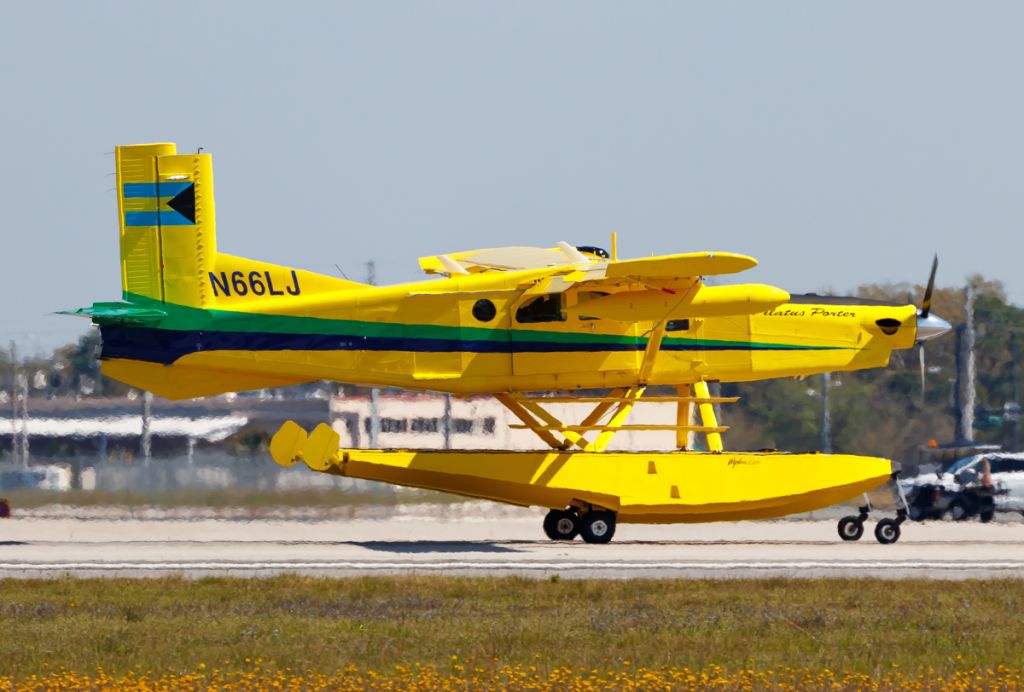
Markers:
(166, 217)
(167, 345)
(167, 190)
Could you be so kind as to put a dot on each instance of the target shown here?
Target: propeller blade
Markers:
(926, 303)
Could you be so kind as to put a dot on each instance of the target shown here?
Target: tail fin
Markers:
(177, 287)
(168, 231)
(169, 239)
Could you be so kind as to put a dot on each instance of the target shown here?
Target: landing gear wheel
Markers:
(958, 511)
(988, 510)
(851, 528)
(561, 525)
(887, 531)
(597, 527)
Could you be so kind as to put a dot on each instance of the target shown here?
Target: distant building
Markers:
(416, 421)
(102, 427)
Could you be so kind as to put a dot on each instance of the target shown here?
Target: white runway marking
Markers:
(51, 547)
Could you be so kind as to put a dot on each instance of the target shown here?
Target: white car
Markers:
(956, 489)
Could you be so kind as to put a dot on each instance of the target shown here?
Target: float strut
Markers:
(866, 508)
(903, 507)
(684, 418)
(707, 415)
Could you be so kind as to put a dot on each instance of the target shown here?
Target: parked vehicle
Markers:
(49, 477)
(978, 485)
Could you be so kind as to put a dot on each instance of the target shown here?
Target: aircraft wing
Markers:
(517, 258)
(648, 288)
(513, 258)
(670, 287)
(671, 274)
(678, 266)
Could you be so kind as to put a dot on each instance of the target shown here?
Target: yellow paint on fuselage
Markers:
(788, 340)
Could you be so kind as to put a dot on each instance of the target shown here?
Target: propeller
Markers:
(926, 302)
(929, 326)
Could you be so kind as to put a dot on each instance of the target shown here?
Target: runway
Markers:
(461, 541)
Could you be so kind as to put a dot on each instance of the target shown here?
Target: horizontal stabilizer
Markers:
(118, 312)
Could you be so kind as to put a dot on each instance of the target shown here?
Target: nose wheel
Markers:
(887, 530)
(851, 528)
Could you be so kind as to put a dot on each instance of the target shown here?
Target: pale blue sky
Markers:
(839, 143)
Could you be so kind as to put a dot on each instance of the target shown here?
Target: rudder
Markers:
(167, 222)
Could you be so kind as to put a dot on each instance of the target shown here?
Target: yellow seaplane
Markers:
(530, 326)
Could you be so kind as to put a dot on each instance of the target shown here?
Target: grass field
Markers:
(436, 631)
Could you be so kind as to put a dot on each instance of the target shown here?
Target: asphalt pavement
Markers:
(473, 539)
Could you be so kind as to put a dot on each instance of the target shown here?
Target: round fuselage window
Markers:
(484, 310)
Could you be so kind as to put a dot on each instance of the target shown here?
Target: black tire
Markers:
(887, 531)
(597, 527)
(851, 528)
(988, 509)
(561, 525)
(958, 510)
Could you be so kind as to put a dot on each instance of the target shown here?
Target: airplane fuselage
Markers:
(481, 333)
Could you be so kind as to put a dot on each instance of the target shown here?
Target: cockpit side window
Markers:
(546, 308)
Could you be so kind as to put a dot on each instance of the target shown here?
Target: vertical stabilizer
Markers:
(168, 234)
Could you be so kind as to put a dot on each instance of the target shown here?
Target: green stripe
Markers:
(747, 345)
(184, 318)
